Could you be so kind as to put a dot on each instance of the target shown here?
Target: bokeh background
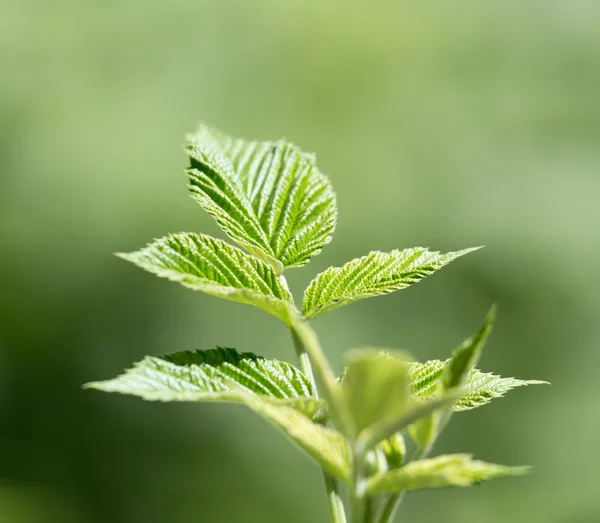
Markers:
(446, 124)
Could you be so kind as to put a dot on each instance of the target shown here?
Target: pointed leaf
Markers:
(457, 470)
(425, 432)
(276, 390)
(372, 275)
(269, 197)
(457, 370)
(213, 266)
(221, 374)
(479, 389)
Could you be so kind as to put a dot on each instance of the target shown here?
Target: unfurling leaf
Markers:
(375, 390)
(394, 450)
(276, 390)
(454, 375)
(457, 374)
(375, 386)
(269, 197)
(458, 368)
(372, 275)
(207, 264)
(454, 470)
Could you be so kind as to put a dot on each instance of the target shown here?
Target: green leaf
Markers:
(307, 339)
(456, 374)
(479, 389)
(372, 275)
(276, 390)
(269, 197)
(375, 390)
(375, 387)
(387, 427)
(327, 447)
(220, 374)
(457, 470)
(457, 370)
(213, 266)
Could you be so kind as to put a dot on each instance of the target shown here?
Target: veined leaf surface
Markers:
(276, 390)
(207, 264)
(269, 197)
(479, 389)
(453, 470)
(372, 275)
(221, 374)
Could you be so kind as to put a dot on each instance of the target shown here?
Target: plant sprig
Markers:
(270, 199)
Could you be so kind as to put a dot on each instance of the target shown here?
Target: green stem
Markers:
(369, 510)
(391, 507)
(395, 500)
(359, 507)
(304, 360)
(336, 504)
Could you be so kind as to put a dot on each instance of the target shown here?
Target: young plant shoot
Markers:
(272, 201)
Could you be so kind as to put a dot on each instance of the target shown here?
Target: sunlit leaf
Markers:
(479, 389)
(375, 386)
(207, 264)
(464, 358)
(269, 197)
(375, 390)
(276, 390)
(326, 446)
(454, 470)
(372, 275)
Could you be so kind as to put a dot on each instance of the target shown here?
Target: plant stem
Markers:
(395, 500)
(358, 499)
(336, 504)
(391, 507)
(304, 360)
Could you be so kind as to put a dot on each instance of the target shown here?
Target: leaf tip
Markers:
(127, 256)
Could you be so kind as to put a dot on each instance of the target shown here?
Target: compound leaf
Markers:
(453, 470)
(372, 275)
(269, 197)
(207, 264)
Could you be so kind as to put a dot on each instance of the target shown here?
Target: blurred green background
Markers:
(446, 124)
